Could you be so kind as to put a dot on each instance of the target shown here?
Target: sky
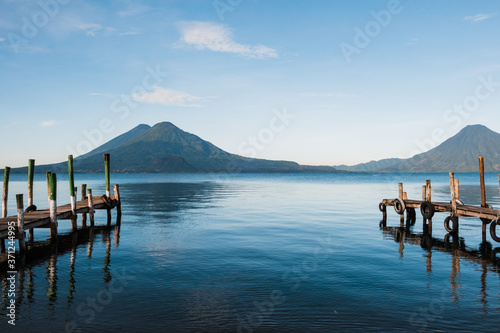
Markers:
(316, 82)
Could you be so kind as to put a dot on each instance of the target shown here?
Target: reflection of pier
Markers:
(48, 252)
(455, 207)
(485, 256)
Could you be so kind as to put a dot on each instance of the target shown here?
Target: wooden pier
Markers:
(455, 207)
(15, 226)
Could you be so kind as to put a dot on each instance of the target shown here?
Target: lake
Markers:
(260, 253)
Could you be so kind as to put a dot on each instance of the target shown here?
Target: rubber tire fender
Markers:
(454, 228)
(493, 232)
(427, 209)
(399, 206)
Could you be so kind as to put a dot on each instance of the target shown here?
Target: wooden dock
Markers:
(455, 207)
(15, 226)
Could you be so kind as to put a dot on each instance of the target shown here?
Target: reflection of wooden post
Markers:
(116, 189)
(91, 241)
(52, 275)
(91, 207)
(117, 235)
(84, 197)
(20, 223)
(53, 204)
(481, 178)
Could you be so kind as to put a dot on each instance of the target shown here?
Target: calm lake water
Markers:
(259, 253)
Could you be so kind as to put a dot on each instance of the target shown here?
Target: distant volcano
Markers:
(458, 154)
(166, 148)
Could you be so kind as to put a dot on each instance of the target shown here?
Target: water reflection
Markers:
(484, 255)
(46, 253)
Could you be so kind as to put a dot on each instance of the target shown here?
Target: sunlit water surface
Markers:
(260, 253)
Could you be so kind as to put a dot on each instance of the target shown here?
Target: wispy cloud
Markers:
(218, 38)
(48, 123)
(413, 41)
(93, 29)
(166, 96)
(328, 94)
(134, 10)
(478, 17)
(2, 39)
(102, 94)
(129, 33)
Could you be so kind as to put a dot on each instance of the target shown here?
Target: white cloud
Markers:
(2, 39)
(48, 123)
(92, 29)
(478, 17)
(328, 94)
(218, 38)
(166, 97)
(129, 33)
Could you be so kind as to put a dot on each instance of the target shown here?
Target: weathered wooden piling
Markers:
(91, 207)
(453, 195)
(20, 223)
(481, 179)
(31, 175)
(107, 174)
(6, 175)
(72, 192)
(116, 189)
(84, 197)
(428, 186)
(53, 205)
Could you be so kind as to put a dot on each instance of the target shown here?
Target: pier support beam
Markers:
(91, 207)
(4, 201)
(72, 193)
(481, 177)
(53, 205)
(116, 189)
(84, 197)
(20, 223)
(31, 175)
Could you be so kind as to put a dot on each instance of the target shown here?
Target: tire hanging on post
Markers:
(399, 206)
(427, 209)
(454, 228)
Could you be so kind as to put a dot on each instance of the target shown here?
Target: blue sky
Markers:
(320, 83)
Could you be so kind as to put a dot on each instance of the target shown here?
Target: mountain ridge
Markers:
(458, 153)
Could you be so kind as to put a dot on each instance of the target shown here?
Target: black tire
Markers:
(412, 216)
(382, 207)
(493, 232)
(31, 208)
(399, 206)
(454, 228)
(427, 209)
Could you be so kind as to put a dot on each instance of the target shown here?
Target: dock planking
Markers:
(41, 218)
(456, 208)
(15, 226)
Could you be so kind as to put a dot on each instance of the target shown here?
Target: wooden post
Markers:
(481, 178)
(116, 189)
(31, 174)
(428, 186)
(424, 192)
(84, 197)
(48, 173)
(4, 202)
(107, 174)
(457, 189)
(400, 186)
(6, 175)
(20, 223)
(72, 193)
(452, 194)
(91, 207)
(53, 205)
